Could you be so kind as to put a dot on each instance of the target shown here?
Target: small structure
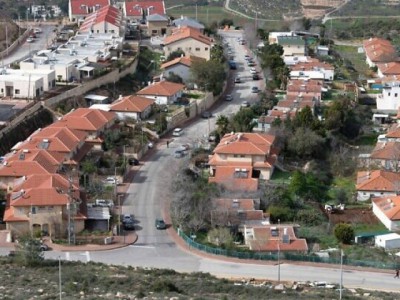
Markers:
(387, 210)
(134, 107)
(322, 50)
(292, 45)
(163, 92)
(388, 241)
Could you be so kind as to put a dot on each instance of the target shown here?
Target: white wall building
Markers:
(25, 86)
(388, 241)
(49, 76)
(390, 97)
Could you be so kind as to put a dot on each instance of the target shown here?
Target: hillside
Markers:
(98, 281)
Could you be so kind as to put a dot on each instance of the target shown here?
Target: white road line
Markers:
(138, 246)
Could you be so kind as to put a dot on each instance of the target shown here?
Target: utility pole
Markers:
(341, 275)
(59, 277)
(196, 13)
(279, 250)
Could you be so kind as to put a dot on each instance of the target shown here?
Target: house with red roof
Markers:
(385, 155)
(312, 70)
(78, 10)
(40, 202)
(132, 107)
(274, 238)
(157, 25)
(387, 210)
(235, 213)
(190, 40)
(137, 11)
(389, 99)
(378, 50)
(107, 19)
(163, 92)
(241, 160)
(377, 183)
(180, 66)
(388, 69)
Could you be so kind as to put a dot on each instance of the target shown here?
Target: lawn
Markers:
(281, 177)
(345, 183)
(357, 59)
(368, 8)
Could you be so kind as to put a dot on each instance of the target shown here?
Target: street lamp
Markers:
(279, 251)
(119, 214)
(341, 275)
(59, 276)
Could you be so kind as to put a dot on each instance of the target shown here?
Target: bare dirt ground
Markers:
(353, 215)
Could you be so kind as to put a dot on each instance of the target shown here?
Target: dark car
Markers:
(237, 79)
(254, 89)
(129, 225)
(133, 161)
(206, 114)
(44, 247)
(256, 77)
(160, 224)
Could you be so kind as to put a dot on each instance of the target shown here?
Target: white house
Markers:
(292, 45)
(312, 69)
(180, 66)
(163, 92)
(49, 76)
(390, 97)
(377, 183)
(24, 86)
(107, 19)
(387, 210)
(79, 9)
(132, 107)
(388, 241)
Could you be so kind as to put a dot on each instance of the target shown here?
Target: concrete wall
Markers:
(18, 41)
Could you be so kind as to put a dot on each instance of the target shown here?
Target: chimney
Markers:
(120, 97)
(181, 17)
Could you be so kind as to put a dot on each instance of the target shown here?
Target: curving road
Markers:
(156, 249)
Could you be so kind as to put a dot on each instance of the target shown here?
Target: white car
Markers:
(253, 71)
(30, 40)
(111, 180)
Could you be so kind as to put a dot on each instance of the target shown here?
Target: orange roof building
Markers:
(107, 19)
(135, 107)
(387, 210)
(240, 160)
(163, 92)
(377, 183)
(379, 50)
(79, 9)
(190, 40)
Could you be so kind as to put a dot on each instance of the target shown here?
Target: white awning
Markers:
(86, 69)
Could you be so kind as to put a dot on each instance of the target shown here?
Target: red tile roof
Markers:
(389, 68)
(135, 8)
(263, 240)
(379, 50)
(9, 216)
(185, 33)
(131, 104)
(386, 150)
(311, 66)
(108, 14)
(235, 204)
(377, 180)
(245, 144)
(184, 60)
(162, 88)
(51, 161)
(80, 7)
(390, 206)
(20, 168)
(225, 175)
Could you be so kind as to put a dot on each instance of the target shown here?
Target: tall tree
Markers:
(209, 75)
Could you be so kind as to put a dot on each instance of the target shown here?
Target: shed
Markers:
(388, 241)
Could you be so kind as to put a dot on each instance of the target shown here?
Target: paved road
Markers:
(41, 42)
(154, 248)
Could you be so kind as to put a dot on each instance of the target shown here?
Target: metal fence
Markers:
(285, 256)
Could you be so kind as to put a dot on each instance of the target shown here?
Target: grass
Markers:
(368, 8)
(369, 228)
(351, 54)
(280, 177)
(367, 140)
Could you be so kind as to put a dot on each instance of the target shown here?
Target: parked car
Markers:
(177, 132)
(206, 114)
(228, 97)
(237, 79)
(133, 161)
(160, 224)
(44, 247)
(253, 71)
(111, 180)
(104, 203)
(245, 104)
(180, 152)
(29, 40)
(254, 89)
(251, 63)
(256, 77)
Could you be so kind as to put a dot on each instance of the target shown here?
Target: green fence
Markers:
(285, 256)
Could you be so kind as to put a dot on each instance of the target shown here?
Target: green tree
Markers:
(281, 213)
(344, 233)
(305, 143)
(297, 185)
(175, 54)
(209, 75)
(217, 53)
(225, 22)
(243, 121)
(87, 167)
(172, 77)
(223, 125)
(220, 237)
(28, 252)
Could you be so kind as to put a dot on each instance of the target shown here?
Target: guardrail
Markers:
(284, 256)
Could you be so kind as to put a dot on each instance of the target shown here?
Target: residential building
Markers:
(107, 19)
(265, 122)
(41, 203)
(180, 66)
(292, 45)
(378, 50)
(163, 92)
(138, 11)
(312, 70)
(273, 36)
(236, 212)
(389, 100)
(79, 9)
(377, 183)
(387, 210)
(241, 160)
(48, 76)
(21, 86)
(274, 238)
(385, 155)
(388, 241)
(190, 41)
(388, 69)
(157, 25)
(132, 107)
(322, 50)
(184, 21)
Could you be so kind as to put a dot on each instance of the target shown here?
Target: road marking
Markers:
(67, 256)
(139, 246)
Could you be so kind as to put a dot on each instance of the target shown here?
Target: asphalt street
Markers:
(148, 195)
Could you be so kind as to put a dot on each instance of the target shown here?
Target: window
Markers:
(197, 49)
(17, 92)
(2, 90)
(206, 48)
(395, 94)
(388, 94)
(112, 31)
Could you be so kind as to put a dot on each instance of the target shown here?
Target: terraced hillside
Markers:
(268, 9)
(369, 8)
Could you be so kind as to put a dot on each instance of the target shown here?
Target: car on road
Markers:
(30, 40)
(133, 161)
(228, 97)
(160, 224)
(206, 114)
(253, 71)
(251, 63)
(255, 89)
(129, 225)
(256, 77)
(177, 131)
(245, 104)
(237, 79)
(232, 65)
(247, 57)
(127, 218)
(44, 247)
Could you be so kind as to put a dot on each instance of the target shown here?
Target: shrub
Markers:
(344, 233)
